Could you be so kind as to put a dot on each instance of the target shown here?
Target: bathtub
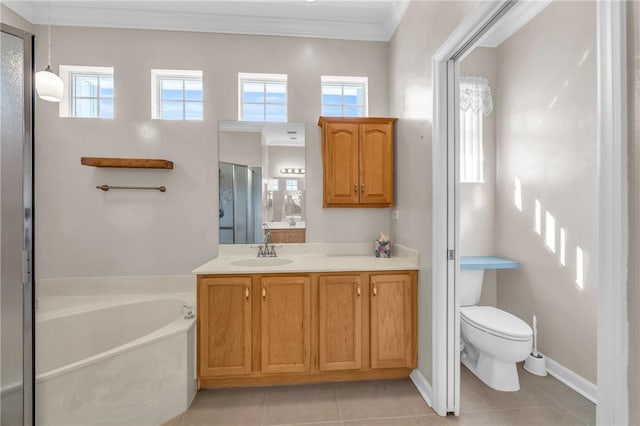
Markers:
(118, 360)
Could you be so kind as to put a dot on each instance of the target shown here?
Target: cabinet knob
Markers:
(264, 292)
(362, 188)
(355, 188)
(246, 293)
(375, 290)
(358, 291)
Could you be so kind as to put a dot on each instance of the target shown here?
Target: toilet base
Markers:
(498, 375)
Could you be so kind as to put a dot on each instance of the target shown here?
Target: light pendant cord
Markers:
(49, 31)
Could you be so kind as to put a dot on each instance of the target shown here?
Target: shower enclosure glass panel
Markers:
(16, 313)
(240, 208)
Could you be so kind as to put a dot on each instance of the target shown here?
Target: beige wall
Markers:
(425, 26)
(546, 125)
(633, 295)
(477, 200)
(240, 148)
(86, 232)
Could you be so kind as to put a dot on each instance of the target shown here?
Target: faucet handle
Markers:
(187, 311)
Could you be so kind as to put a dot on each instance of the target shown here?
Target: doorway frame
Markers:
(612, 353)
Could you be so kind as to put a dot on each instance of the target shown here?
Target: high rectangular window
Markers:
(262, 97)
(292, 184)
(176, 95)
(88, 91)
(344, 96)
(475, 103)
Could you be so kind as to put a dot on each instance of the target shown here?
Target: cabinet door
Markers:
(286, 324)
(224, 326)
(391, 324)
(376, 164)
(340, 314)
(340, 157)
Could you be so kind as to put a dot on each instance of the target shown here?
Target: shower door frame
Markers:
(28, 295)
(613, 227)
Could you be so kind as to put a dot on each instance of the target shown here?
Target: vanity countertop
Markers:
(487, 262)
(308, 257)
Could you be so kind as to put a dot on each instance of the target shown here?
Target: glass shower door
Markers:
(16, 285)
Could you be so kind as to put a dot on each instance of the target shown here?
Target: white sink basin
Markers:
(262, 261)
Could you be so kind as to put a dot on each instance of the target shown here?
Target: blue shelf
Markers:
(487, 262)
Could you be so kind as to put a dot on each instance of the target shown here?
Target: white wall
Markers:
(86, 232)
(240, 148)
(546, 123)
(424, 28)
(477, 200)
(283, 157)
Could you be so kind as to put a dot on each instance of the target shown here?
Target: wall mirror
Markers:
(261, 181)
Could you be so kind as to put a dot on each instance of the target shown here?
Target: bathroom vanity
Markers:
(305, 317)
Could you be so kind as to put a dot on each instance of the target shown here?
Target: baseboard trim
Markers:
(575, 381)
(423, 386)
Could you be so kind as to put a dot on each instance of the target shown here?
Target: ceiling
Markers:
(373, 20)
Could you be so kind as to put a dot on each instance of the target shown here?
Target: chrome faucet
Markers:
(292, 221)
(266, 250)
(187, 311)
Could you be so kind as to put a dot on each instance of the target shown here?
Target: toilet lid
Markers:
(495, 321)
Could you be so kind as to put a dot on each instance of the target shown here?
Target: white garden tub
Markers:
(121, 360)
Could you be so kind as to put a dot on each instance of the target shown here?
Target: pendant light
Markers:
(48, 85)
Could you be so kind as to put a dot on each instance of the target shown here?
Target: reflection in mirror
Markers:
(261, 175)
(239, 203)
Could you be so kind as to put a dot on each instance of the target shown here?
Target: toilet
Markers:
(493, 340)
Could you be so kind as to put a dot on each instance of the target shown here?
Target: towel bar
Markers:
(108, 187)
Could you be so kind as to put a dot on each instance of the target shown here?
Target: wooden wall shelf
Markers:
(133, 163)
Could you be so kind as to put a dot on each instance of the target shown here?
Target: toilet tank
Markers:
(470, 286)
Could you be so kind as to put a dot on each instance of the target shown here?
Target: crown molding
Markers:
(327, 25)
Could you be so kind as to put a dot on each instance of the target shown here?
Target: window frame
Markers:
(69, 73)
(342, 81)
(476, 157)
(264, 79)
(160, 75)
(290, 183)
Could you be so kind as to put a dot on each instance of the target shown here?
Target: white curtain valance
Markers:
(475, 94)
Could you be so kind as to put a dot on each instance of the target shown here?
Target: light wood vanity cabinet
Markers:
(357, 158)
(286, 324)
(295, 328)
(340, 314)
(288, 235)
(224, 324)
(391, 321)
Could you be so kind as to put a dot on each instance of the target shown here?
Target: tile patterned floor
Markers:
(540, 401)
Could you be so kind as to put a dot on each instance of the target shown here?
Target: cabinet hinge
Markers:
(26, 267)
(451, 254)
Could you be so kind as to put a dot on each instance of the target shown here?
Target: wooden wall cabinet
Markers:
(357, 159)
(265, 329)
